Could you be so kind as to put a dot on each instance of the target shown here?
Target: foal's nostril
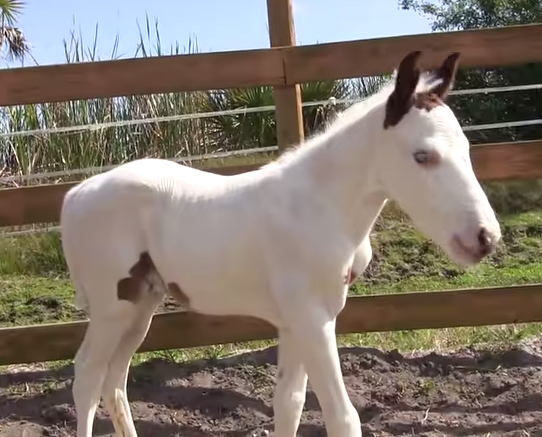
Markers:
(485, 241)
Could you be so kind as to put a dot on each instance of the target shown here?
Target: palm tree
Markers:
(257, 129)
(12, 39)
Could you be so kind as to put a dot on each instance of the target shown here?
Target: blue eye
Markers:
(422, 157)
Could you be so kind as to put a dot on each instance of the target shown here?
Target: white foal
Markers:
(276, 243)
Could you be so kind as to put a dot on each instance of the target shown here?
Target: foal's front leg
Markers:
(312, 330)
(317, 342)
(291, 387)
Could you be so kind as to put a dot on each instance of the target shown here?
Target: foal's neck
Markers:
(339, 167)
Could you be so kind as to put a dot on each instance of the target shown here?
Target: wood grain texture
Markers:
(404, 311)
(57, 83)
(498, 161)
(504, 161)
(275, 66)
(479, 48)
(288, 111)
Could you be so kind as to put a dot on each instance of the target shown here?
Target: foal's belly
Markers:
(216, 254)
(223, 293)
(219, 273)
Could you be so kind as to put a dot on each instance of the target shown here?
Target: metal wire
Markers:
(180, 117)
(189, 159)
(91, 170)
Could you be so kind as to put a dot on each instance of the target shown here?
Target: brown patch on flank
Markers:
(176, 292)
(129, 289)
(280, 374)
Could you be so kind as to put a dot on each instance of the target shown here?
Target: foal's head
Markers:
(424, 164)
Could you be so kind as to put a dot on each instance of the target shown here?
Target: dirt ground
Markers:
(468, 393)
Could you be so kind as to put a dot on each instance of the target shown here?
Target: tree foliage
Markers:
(12, 39)
(447, 15)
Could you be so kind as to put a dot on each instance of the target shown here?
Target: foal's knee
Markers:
(287, 407)
(290, 393)
(289, 400)
(85, 383)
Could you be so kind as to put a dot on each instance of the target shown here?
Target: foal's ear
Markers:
(402, 97)
(446, 72)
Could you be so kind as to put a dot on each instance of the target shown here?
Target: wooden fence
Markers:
(283, 66)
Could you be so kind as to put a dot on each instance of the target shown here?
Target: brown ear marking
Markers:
(403, 97)
(447, 72)
(427, 101)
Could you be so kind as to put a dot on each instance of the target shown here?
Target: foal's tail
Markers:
(80, 300)
(68, 226)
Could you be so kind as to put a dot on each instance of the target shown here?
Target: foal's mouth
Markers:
(468, 255)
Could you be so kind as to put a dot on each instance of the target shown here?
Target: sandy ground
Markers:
(468, 393)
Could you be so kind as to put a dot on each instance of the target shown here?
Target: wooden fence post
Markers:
(288, 112)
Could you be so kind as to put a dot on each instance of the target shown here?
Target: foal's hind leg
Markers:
(114, 391)
(90, 367)
(290, 391)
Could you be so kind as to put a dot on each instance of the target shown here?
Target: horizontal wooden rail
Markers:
(498, 161)
(504, 161)
(393, 312)
(490, 47)
(276, 66)
(152, 75)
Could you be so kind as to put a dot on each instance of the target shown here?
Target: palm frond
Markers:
(14, 40)
(10, 10)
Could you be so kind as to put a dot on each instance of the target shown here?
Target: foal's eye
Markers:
(422, 157)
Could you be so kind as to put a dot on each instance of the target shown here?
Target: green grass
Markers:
(403, 261)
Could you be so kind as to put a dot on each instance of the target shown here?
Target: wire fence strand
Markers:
(198, 115)
(246, 152)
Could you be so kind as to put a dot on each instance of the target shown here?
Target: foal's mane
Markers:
(351, 115)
